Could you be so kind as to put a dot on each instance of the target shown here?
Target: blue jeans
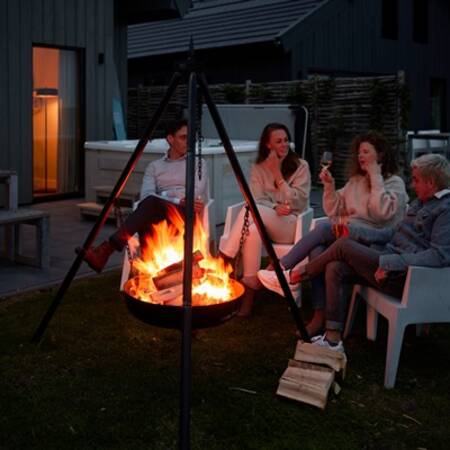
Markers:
(348, 262)
(312, 244)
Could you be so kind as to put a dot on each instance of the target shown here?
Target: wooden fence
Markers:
(339, 108)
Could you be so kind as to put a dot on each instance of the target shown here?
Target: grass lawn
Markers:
(102, 380)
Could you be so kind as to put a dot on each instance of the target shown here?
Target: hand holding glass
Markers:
(339, 226)
(326, 161)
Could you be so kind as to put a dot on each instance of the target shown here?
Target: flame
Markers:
(165, 246)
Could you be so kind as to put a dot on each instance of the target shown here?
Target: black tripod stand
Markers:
(197, 81)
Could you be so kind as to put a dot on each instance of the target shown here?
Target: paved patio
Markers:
(67, 231)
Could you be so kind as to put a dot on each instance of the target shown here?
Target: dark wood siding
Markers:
(344, 37)
(87, 25)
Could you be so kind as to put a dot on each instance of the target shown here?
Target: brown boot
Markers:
(247, 303)
(97, 257)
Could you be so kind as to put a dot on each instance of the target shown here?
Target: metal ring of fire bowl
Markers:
(167, 316)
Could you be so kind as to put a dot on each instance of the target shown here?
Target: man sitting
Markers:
(380, 257)
(163, 185)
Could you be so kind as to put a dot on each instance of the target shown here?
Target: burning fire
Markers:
(165, 247)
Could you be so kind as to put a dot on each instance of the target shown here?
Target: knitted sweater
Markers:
(295, 191)
(374, 203)
(167, 178)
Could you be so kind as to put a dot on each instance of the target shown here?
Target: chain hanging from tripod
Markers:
(200, 137)
(244, 234)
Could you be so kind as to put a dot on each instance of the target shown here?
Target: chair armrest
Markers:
(230, 218)
(317, 220)
(303, 225)
(208, 220)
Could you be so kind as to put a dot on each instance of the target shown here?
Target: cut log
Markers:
(319, 355)
(166, 296)
(309, 384)
(173, 274)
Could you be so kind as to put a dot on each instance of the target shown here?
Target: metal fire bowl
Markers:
(167, 316)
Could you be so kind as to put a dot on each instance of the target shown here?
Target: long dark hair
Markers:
(290, 162)
(386, 156)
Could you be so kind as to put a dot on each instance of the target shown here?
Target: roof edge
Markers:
(301, 19)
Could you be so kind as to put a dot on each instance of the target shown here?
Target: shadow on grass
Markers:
(102, 380)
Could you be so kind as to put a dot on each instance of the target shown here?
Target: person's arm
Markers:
(257, 186)
(333, 202)
(297, 188)
(387, 198)
(201, 194)
(148, 186)
(438, 255)
(369, 236)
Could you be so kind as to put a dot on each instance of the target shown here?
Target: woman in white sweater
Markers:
(280, 183)
(374, 196)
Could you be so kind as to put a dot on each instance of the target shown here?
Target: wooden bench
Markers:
(8, 178)
(126, 200)
(12, 221)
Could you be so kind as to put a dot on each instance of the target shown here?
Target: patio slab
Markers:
(67, 231)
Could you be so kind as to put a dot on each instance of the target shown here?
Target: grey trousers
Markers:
(348, 262)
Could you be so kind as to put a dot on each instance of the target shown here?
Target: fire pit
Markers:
(170, 316)
(154, 292)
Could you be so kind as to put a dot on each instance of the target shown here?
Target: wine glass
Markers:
(325, 161)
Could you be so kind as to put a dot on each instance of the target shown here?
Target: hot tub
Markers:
(105, 161)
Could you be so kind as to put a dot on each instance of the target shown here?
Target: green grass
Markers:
(102, 380)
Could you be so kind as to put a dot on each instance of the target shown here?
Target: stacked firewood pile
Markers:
(311, 374)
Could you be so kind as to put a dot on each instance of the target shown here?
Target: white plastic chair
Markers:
(425, 299)
(303, 225)
(207, 220)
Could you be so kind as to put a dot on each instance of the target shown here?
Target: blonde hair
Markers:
(433, 167)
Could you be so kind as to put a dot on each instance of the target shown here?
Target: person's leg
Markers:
(230, 247)
(251, 257)
(151, 210)
(281, 230)
(362, 259)
(338, 276)
(318, 297)
(320, 235)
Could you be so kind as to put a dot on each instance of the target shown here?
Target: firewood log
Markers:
(173, 274)
(319, 355)
(308, 384)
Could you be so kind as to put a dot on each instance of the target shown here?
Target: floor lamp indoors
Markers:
(45, 93)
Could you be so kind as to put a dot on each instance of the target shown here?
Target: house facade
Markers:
(63, 80)
(278, 40)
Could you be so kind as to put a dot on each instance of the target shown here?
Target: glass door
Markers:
(56, 119)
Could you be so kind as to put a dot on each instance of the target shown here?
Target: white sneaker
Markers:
(270, 280)
(321, 341)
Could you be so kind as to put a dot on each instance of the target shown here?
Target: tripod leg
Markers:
(186, 346)
(252, 205)
(107, 208)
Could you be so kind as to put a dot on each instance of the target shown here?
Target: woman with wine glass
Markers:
(280, 182)
(374, 196)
